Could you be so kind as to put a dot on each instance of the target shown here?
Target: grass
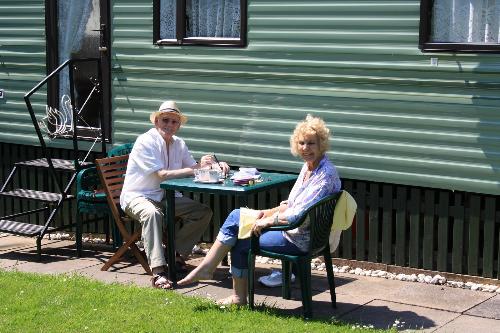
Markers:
(71, 303)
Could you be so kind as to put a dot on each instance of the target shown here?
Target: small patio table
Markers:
(269, 181)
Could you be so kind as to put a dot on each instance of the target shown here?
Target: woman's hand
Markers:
(260, 224)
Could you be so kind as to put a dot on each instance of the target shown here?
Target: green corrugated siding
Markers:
(22, 65)
(395, 118)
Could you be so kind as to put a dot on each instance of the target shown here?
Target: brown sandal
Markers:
(160, 281)
(180, 264)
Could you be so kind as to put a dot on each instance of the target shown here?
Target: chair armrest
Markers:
(283, 227)
(87, 180)
(254, 240)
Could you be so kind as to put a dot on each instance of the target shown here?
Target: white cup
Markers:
(213, 176)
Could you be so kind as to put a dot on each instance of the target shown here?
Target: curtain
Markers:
(73, 16)
(204, 18)
(167, 19)
(213, 18)
(466, 21)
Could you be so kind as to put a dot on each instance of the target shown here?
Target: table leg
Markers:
(170, 220)
(222, 212)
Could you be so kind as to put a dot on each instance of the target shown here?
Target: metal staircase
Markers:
(49, 203)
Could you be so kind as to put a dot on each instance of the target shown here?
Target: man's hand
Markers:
(225, 167)
(206, 160)
(209, 161)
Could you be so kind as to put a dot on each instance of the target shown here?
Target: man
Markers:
(158, 155)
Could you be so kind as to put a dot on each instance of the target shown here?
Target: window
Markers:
(202, 22)
(78, 30)
(460, 25)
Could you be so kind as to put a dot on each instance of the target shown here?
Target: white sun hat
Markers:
(168, 106)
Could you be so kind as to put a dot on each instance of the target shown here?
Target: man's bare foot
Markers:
(233, 299)
(196, 275)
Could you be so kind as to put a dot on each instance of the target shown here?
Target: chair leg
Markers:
(285, 279)
(304, 270)
(117, 238)
(107, 227)
(130, 243)
(331, 277)
(78, 234)
(141, 258)
(251, 279)
(115, 257)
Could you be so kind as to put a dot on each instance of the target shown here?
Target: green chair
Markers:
(320, 217)
(91, 199)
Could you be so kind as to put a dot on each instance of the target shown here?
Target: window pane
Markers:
(167, 19)
(213, 18)
(465, 21)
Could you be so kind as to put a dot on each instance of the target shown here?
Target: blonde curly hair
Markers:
(310, 126)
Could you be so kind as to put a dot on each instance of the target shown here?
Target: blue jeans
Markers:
(269, 240)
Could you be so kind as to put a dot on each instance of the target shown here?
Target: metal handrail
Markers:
(68, 63)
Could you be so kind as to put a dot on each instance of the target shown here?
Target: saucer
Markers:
(209, 181)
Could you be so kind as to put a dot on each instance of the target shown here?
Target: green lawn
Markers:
(63, 303)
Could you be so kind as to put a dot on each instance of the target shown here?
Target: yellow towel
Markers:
(342, 217)
(247, 219)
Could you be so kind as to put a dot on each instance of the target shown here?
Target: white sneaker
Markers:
(274, 279)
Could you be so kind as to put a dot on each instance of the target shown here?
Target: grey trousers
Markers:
(195, 219)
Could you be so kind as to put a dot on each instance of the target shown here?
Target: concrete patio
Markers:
(363, 300)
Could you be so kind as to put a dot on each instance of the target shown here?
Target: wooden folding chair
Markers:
(112, 173)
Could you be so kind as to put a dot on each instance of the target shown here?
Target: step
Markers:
(34, 195)
(59, 164)
(20, 228)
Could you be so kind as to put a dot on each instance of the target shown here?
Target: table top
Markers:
(269, 180)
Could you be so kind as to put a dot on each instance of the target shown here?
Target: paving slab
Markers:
(357, 285)
(383, 315)
(470, 324)
(321, 303)
(438, 297)
(94, 272)
(11, 243)
(488, 309)
(10, 262)
(414, 293)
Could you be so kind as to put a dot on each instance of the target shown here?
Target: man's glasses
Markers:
(169, 120)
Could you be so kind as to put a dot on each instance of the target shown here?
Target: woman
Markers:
(317, 179)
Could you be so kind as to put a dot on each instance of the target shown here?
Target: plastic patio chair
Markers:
(320, 217)
(91, 199)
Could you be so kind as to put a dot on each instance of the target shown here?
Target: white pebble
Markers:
(437, 279)
(413, 278)
(468, 285)
(475, 287)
